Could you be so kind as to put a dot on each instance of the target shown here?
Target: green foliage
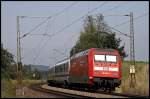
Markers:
(141, 75)
(7, 65)
(27, 72)
(37, 74)
(8, 89)
(30, 73)
(97, 34)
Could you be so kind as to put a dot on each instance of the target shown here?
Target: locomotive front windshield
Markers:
(107, 58)
(99, 57)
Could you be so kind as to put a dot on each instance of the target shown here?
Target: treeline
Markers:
(97, 34)
(8, 65)
(9, 68)
(30, 73)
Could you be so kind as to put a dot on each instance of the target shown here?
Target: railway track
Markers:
(38, 87)
(81, 94)
(125, 95)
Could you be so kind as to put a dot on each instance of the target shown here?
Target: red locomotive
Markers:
(94, 68)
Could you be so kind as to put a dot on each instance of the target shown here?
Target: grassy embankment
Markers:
(142, 79)
(8, 87)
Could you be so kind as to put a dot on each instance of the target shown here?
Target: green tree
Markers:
(27, 72)
(97, 34)
(37, 74)
(7, 65)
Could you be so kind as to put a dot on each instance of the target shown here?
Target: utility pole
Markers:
(20, 91)
(19, 64)
(132, 78)
(132, 53)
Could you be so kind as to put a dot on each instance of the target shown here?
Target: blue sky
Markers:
(39, 49)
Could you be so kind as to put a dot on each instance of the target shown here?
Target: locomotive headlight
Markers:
(90, 77)
(113, 69)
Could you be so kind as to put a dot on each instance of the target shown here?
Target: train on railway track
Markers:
(94, 69)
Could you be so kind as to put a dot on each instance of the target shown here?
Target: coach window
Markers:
(60, 68)
(65, 67)
(56, 69)
(67, 64)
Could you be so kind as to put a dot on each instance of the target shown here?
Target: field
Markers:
(8, 87)
(142, 79)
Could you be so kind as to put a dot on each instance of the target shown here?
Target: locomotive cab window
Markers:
(99, 57)
(111, 58)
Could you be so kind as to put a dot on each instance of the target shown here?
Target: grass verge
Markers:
(8, 87)
(142, 79)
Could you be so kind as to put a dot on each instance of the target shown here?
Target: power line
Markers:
(119, 5)
(65, 9)
(129, 21)
(33, 17)
(73, 22)
(35, 27)
(119, 31)
(125, 23)
(45, 20)
(113, 15)
(39, 44)
(37, 54)
(69, 25)
(45, 34)
(50, 35)
(85, 15)
(114, 7)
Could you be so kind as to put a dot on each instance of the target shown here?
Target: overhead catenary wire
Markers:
(118, 31)
(37, 54)
(84, 16)
(88, 14)
(35, 27)
(45, 20)
(38, 44)
(119, 5)
(129, 21)
(62, 11)
(124, 23)
(45, 34)
(66, 27)
(73, 22)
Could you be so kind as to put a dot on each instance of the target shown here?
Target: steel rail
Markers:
(70, 95)
(38, 87)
